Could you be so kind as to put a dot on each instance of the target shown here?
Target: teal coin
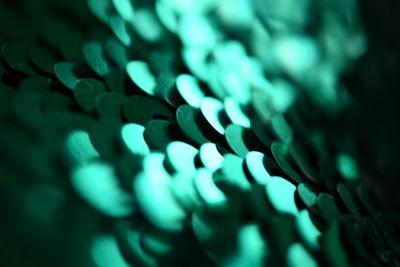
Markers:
(117, 53)
(35, 84)
(252, 249)
(307, 194)
(15, 56)
(104, 136)
(132, 135)
(281, 128)
(121, 30)
(105, 249)
(66, 74)
(116, 80)
(236, 113)
(348, 199)
(125, 9)
(181, 157)
(210, 156)
(328, 208)
(347, 167)
(109, 104)
(141, 75)
(94, 56)
(189, 122)
(101, 9)
(233, 173)
(280, 153)
(86, 92)
(307, 231)
(80, 147)
(234, 136)
(300, 156)
(159, 133)
(332, 247)
(280, 193)
(156, 242)
(188, 87)
(212, 110)
(97, 183)
(183, 189)
(141, 109)
(154, 197)
(207, 190)
(43, 59)
(255, 165)
(297, 256)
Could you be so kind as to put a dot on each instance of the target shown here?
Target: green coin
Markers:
(141, 109)
(109, 104)
(86, 92)
(93, 54)
(132, 135)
